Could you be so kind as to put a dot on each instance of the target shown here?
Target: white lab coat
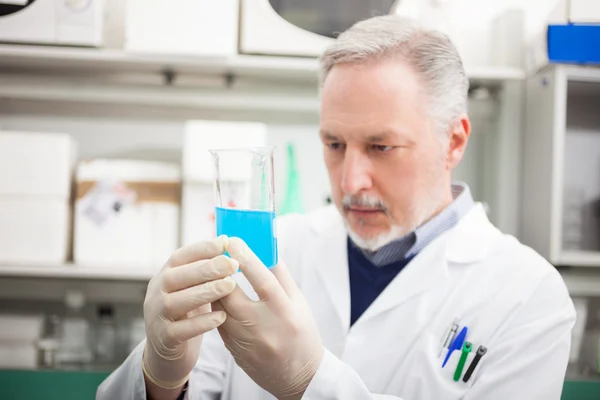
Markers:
(511, 299)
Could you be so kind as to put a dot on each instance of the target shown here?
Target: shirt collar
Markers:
(415, 241)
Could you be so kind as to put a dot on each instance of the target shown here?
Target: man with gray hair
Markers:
(402, 290)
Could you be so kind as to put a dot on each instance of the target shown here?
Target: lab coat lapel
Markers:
(428, 268)
(464, 244)
(331, 260)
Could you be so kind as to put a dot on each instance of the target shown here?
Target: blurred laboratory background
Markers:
(108, 108)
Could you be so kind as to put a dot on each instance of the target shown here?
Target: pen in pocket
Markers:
(480, 353)
(466, 349)
(448, 337)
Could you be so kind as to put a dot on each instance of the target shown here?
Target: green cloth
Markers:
(292, 202)
(82, 385)
(49, 385)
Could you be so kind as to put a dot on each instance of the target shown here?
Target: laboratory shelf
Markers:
(579, 281)
(91, 90)
(561, 148)
(49, 58)
(240, 83)
(72, 271)
(90, 60)
(580, 258)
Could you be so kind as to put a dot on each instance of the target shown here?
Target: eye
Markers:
(381, 148)
(336, 146)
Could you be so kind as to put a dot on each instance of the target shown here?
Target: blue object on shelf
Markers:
(574, 44)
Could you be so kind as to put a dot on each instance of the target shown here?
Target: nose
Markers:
(356, 175)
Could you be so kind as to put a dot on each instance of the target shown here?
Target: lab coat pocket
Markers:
(449, 372)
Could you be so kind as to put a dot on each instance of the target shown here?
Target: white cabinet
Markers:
(52, 22)
(300, 27)
(561, 191)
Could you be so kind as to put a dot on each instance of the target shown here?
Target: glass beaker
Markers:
(245, 198)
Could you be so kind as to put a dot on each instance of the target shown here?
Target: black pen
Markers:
(480, 353)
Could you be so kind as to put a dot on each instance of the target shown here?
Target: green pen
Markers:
(463, 358)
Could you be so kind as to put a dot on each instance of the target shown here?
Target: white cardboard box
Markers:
(36, 163)
(18, 355)
(127, 213)
(198, 213)
(200, 136)
(23, 328)
(191, 27)
(34, 230)
(35, 193)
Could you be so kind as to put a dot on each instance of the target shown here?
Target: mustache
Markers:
(363, 201)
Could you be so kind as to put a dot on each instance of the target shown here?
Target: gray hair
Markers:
(430, 52)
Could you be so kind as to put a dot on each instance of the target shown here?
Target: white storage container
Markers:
(191, 27)
(22, 328)
(35, 191)
(18, 355)
(584, 11)
(127, 213)
(576, 11)
(64, 22)
(300, 27)
(198, 170)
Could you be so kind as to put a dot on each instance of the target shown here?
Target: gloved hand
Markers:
(177, 309)
(274, 340)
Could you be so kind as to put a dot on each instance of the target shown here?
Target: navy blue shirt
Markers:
(367, 280)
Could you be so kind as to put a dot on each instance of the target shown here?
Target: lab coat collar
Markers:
(468, 241)
(464, 244)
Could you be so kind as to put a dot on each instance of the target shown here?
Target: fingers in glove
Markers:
(234, 328)
(178, 304)
(262, 280)
(198, 251)
(186, 329)
(196, 273)
(237, 305)
(283, 276)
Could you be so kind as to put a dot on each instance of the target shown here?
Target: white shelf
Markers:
(62, 59)
(71, 271)
(94, 91)
(582, 283)
(580, 259)
(48, 58)
(241, 83)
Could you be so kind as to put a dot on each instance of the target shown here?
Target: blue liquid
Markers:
(253, 227)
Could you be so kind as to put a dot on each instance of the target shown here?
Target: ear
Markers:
(459, 136)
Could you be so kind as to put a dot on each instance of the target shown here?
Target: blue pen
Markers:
(456, 344)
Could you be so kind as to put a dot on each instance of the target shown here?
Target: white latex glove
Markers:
(177, 309)
(274, 340)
